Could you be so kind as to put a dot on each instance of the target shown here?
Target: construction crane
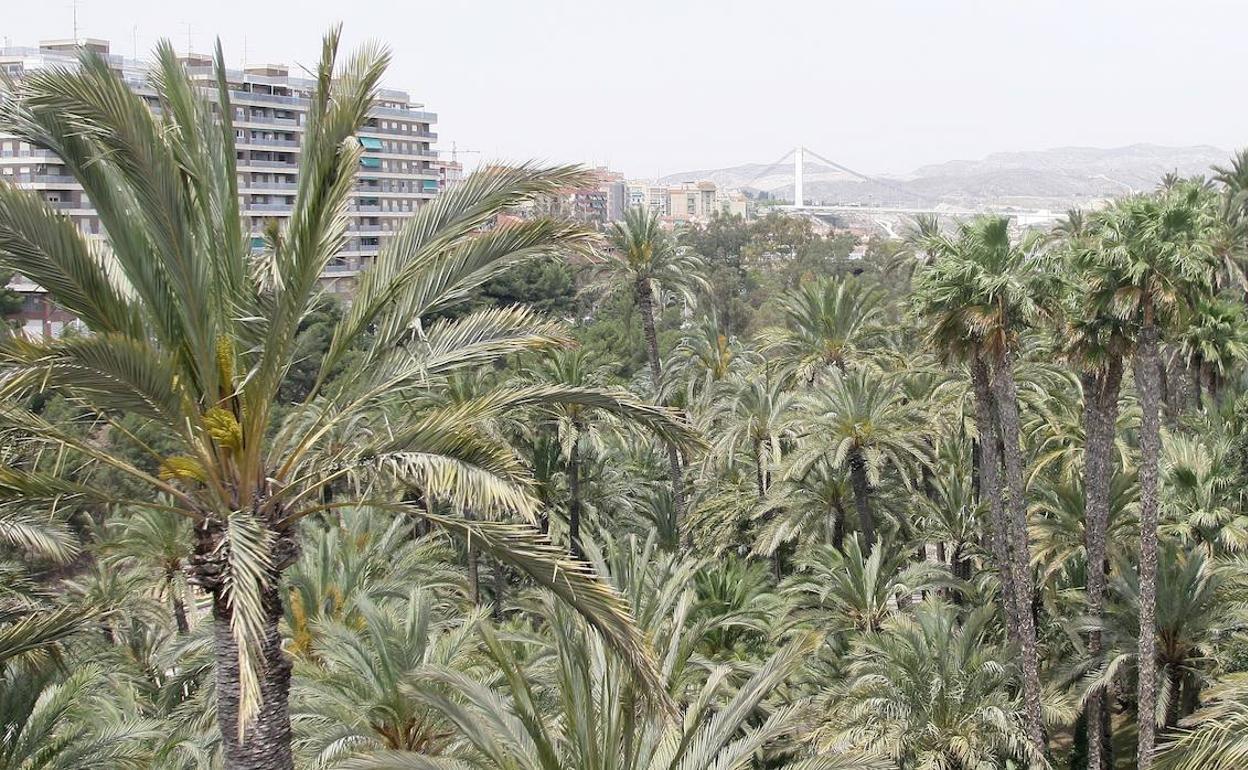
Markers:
(455, 151)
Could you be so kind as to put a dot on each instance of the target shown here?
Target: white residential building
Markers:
(398, 172)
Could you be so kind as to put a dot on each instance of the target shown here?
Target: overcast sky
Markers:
(653, 87)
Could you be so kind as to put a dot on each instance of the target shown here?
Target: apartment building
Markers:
(681, 202)
(398, 172)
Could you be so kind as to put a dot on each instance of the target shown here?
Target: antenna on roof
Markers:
(74, 6)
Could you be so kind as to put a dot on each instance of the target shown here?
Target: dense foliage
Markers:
(733, 499)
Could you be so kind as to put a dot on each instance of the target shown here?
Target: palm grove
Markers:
(975, 500)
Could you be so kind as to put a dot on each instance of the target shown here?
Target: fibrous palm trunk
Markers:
(862, 497)
(1100, 416)
(645, 304)
(1006, 401)
(1147, 376)
(265, 742)
(989, 478)
(175, 598)
(838, 526)
(574, 502)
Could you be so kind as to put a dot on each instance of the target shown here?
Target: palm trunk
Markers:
(1147, 374)
(574, 504)
(989, 477)
(760, 476)
(838, 526)
(179, 607)
(1100, 416)
(1006, 402)
(473, 568)
(862, 499)
(265, 744)
(500, 590)
(645, 304)
(960, 564)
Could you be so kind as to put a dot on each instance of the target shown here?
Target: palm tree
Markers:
(704, 360)
(194, 333)
(1156, 257)
(1213, 339)
(980, 293)
(930, 691)
(1216, 736)
(1202, 498)
(647, 262)
(1096, 343)
(948, 513)
(857, 590)
(759, 414)
(42, 721)
(828, 323)
(580, 426)
(1191, 621)
(808, 506)
(351, 700)
(569, 703)
(862, 421)
(162, 542)
(362, 556)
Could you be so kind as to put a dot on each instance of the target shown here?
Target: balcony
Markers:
(277, 208)
(254, 185)
(59, 180)
(269, 164)
(294, 101)
(289, 122)
(250, 142)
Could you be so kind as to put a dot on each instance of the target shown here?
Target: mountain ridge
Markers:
(1056, 177)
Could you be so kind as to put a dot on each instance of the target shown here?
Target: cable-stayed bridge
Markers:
(894, 200)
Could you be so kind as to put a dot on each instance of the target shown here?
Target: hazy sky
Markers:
(654, 87)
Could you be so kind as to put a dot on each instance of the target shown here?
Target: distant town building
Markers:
(399, 171)
(681, 202)
(450, 173)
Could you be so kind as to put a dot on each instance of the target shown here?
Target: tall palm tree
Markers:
(193, 332)
(1156, 257)
(981, 292)
(861, 421)
(1096, 343)
(646, 261)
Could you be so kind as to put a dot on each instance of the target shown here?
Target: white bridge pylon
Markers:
(799, 160)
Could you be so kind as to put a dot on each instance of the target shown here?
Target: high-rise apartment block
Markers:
(398, 172)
